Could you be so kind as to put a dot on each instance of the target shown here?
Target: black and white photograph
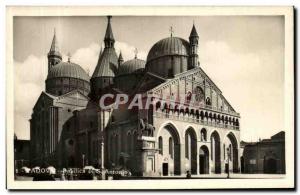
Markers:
(150, 98)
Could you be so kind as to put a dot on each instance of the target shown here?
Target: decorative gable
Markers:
(73, 98)
(193, 85)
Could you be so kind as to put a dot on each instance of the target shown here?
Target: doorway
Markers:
(204, 160)
(165, 168)
(202, 164)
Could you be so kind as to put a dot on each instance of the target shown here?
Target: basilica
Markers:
(189, 125)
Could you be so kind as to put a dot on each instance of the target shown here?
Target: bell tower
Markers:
(193, 48)
(107, 65)
(54, 56)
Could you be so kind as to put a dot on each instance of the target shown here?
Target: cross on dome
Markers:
(135, 53)
(171, 30)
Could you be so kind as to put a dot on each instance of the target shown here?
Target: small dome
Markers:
(68, 69)
(168, 46)
(131, 66)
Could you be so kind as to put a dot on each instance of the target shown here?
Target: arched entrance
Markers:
(191, 149)
(170, 154)
(233, 148)
(204, 160)
(216, 151)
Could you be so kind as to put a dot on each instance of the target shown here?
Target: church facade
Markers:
(188, 125)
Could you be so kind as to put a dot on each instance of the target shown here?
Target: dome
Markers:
(131, 66)
(68, 69)
(168, 46)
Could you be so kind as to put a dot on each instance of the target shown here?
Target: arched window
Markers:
(171, 147)
(188, 96)
(199, 94)
(207, 101)
(160, 145)
(203, 134)
(158, 105)
(186, 146)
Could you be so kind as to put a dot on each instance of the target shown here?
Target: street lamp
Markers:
(228, 160)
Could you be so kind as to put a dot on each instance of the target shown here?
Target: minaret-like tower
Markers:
(120, 60)
(107, 65)
(193, 48)
(54, 56)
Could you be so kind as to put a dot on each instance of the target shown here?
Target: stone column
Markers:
(182, 159)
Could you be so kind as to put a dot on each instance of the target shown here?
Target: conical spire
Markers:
(54, 50)
(194, 32)
(109, 37)
(121, 57)
(193, 48)
(54, 56)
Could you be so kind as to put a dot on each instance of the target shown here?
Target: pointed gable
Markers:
(44, 98)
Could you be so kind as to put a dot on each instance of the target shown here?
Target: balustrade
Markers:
(193, 118)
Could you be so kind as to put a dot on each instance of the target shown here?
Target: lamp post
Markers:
(228, 160)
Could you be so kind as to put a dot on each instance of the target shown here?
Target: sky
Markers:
(243, 55)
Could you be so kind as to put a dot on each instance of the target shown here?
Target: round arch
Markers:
(168, 130)
(191, 148)
(234, 152)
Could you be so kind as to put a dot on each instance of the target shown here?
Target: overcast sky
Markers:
(243, 55)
